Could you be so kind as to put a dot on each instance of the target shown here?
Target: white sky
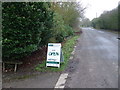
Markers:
(98, 6)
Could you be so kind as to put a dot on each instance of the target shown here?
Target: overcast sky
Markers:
(96, 7)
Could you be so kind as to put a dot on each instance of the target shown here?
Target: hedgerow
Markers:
(30, 25)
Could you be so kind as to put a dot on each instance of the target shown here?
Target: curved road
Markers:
(96, 56)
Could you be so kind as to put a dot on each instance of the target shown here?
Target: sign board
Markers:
(53, 54)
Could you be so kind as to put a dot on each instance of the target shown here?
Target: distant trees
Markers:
(85, 22)
(29, 25)
(107, 20)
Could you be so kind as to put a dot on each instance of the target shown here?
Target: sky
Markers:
(96, 7)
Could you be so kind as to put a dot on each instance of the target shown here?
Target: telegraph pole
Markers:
(96, 14)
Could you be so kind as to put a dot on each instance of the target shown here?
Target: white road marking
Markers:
(101, 31)
(92, 29)
(61, 81)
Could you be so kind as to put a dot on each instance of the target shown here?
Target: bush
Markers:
(26, 26)
(60, 29)
(29, 25)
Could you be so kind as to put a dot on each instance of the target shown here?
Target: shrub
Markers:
(26, 26)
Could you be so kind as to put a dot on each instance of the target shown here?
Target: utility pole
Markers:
(96, 14)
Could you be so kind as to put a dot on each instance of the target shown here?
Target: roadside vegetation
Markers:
(67, 48)
(29, 26)
(108, 20)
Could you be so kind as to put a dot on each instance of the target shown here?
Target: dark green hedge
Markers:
(26, 26)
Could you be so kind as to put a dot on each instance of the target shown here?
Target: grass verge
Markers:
(67, 48)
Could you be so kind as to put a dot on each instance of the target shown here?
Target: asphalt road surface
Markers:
(94, 64)
(95, 61)
(45, 80)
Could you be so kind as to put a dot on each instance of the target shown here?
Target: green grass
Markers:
(67, 49)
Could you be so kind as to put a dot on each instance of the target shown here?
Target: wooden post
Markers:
(15, 68)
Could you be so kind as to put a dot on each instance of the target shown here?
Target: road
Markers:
(96, 55)
(45, 80)
(94, 65)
